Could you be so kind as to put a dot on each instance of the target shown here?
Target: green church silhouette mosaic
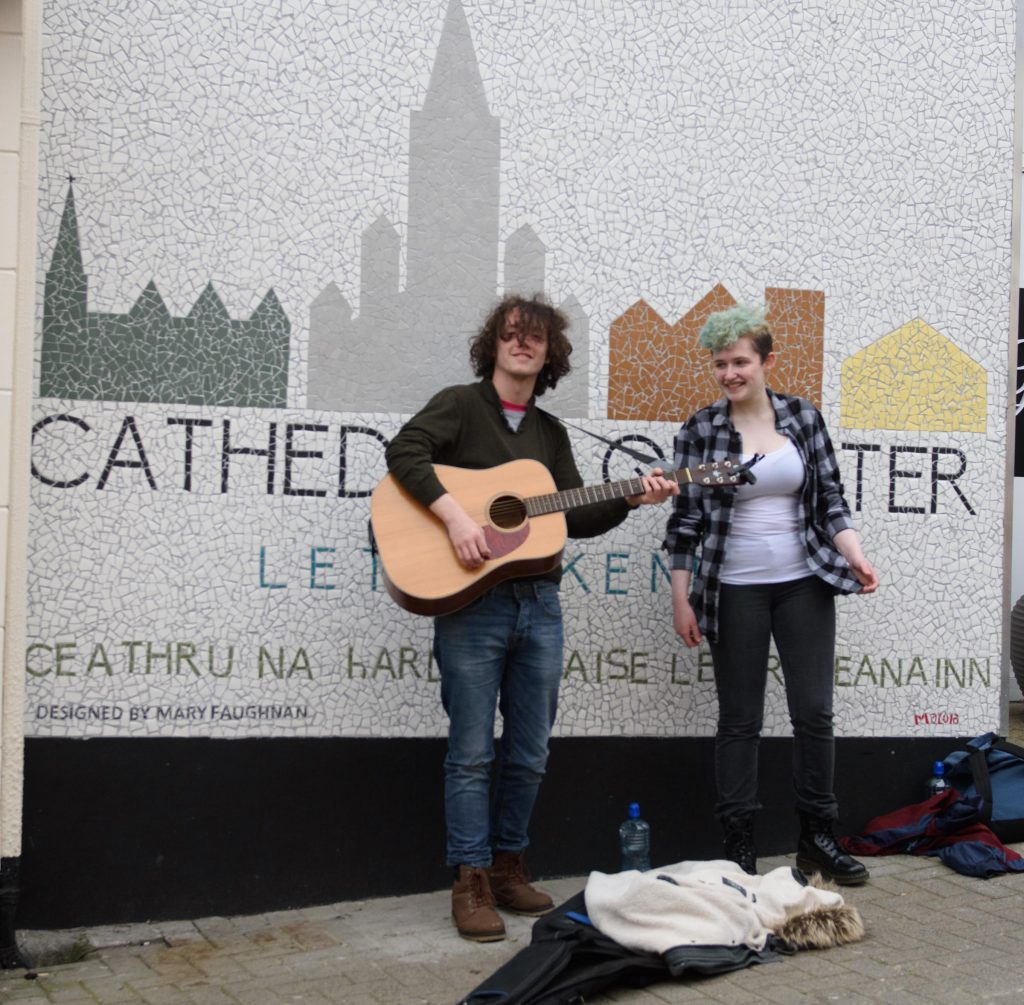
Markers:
(204, 358)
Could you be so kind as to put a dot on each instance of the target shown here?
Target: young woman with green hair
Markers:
(765, 561)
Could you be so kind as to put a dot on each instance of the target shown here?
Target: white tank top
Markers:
(765, 544)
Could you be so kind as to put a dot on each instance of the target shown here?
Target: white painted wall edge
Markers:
(1013, 579)
(12, 730)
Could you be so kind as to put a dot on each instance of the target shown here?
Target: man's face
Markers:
(522, 349)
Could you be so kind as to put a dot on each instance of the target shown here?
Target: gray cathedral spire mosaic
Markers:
(403, 344)
(204, 358)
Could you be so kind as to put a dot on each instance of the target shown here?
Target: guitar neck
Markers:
(559, 502)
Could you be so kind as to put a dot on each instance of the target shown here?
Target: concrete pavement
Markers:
(932, 937)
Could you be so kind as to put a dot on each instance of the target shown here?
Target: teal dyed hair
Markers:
(723, 328)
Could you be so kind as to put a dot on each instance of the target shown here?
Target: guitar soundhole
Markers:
(507, 512)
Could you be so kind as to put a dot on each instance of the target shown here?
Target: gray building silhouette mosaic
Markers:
(405, 344)
(401, 346)
(204, 358)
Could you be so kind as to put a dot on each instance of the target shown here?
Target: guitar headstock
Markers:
(712, 474)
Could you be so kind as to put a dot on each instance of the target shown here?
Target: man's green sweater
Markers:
(465, 426)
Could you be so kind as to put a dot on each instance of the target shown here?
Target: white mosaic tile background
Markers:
(863, 149)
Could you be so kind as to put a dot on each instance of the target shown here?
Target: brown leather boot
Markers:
(473, 907)
(510, 884)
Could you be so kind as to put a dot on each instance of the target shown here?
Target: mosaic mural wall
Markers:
(267, 233)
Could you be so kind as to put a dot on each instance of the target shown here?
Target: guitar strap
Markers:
(656, 462)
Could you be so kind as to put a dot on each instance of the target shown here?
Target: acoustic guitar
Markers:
(522, 516)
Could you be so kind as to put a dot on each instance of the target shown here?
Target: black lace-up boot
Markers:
(739, 843)
(818, 851)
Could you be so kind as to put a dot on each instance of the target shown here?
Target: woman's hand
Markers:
(865, 573)
(849, 547)
(685, 621)
(683, 618)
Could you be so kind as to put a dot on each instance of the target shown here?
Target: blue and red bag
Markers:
(992, 768)
(947, 826)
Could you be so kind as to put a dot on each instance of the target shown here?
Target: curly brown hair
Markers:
(536, 313)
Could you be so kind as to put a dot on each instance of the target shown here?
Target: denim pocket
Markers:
(550, 601)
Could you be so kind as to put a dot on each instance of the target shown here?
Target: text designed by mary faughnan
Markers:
(82, 712)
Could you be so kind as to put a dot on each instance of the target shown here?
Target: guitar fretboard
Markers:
(558, 502)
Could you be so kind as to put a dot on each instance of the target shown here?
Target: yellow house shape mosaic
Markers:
(914, 378)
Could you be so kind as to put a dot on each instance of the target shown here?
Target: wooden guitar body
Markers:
(421, 572)
(522, 515)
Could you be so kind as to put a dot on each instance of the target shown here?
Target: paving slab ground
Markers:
(933, 937)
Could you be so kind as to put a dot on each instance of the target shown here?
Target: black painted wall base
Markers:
(130, 830)
(10, 954)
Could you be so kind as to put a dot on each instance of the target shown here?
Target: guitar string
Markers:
(610, 490)
(512, 504)
(539, 504)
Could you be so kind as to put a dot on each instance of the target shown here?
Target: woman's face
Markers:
(740, 371)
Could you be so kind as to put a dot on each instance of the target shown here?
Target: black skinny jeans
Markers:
(800, 615)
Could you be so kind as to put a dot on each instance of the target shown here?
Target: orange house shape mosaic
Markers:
(658, 373)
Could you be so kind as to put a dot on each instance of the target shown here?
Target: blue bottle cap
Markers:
(939, 769)
(634, 811)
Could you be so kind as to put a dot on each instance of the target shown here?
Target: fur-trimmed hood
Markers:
(717, 904)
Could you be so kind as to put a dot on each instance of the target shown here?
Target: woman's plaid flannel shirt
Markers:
(701, 517)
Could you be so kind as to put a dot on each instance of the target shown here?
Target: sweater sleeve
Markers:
(429, 433)
(594, 518)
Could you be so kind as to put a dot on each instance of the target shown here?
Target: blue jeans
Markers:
(800, 616)
(504, 650)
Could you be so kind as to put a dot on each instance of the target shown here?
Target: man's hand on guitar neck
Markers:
(656, 489)
(466, 535)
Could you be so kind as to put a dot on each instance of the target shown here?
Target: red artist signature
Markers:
(936, 719)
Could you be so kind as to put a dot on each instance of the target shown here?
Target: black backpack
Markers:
(993, 768)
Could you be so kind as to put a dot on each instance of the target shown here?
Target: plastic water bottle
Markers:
(938, 782)
(635, 841)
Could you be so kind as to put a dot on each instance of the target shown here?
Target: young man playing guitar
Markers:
(505, 648)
